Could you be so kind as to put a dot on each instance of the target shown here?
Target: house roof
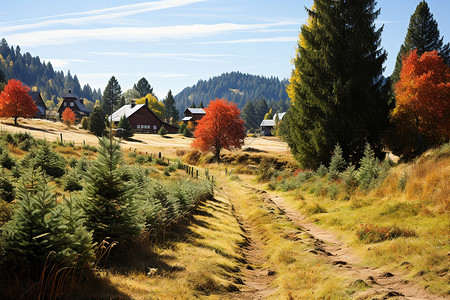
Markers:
(186, 119)
(196, 110)
(81, 106)
(280, 116)
(70, 95)
(267, 123)
(126, 111)
(36, 97)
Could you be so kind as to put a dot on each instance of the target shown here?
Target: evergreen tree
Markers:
(423, 35)
(111, 96)
(51, 162)
(192, 105)
(201, 105)
(108, 203)
(125, 124)
(120, 103)
(334, 99)
(250, 116)
(7, 192)
(337, 164)
(172, 114)
(143, 87)
(97, 123)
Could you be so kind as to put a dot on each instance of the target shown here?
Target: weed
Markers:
(316, 209)
(369, 233)
(333, 191)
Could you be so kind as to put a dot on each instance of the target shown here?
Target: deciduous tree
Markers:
(221, 128)
(423, 35)
(155, 106)
(68, 117)
(421, 117)
(15, 102)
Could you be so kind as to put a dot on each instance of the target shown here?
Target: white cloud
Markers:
(63, 63)
(99, 15)
(130, 34)
(281, 39)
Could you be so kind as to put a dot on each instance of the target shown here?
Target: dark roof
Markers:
(70, 95)
(36, 97)
(81, 106)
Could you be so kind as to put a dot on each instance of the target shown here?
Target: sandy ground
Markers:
(150, 143)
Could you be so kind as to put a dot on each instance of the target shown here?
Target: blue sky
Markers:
(174, 43)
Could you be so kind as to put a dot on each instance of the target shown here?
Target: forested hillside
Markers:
(34, 73)
(237, 87)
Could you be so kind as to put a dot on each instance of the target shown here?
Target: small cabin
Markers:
(41, 107)
(193, 115)
(268, 125)
(142, 119)
(74, 103)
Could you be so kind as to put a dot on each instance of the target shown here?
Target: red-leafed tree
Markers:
(422, 113)
(68, 117)
(221, 128)
(15, 102)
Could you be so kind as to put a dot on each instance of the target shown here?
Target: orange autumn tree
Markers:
(422, 113)
(221, 128)
(15, 102)
(68, 117)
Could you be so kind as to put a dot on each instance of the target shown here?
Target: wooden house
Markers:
(41, 107)
(142, 119)
(74, 103)
(193, 115)
(268, 125)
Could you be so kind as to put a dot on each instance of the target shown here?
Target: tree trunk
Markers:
(217, 155)
(15, 121)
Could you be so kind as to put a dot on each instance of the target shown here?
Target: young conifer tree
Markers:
(334, 99)
(109, 205)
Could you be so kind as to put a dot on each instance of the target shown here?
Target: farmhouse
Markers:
(75, 104)
(142, 119)
(41, 107)
(193, 115)
(268, 125)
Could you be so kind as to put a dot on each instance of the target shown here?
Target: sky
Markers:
(175, 43)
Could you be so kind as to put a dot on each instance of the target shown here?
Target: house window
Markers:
(71, 103)
(139, 127)
(155, 127)
(65, 103)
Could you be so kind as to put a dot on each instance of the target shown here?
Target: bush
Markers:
(162, 131)
(265, 169)
(349, 178)
(337, 164)
(402, 181)
(374, 234)
(315, 209)
(371, 170)
(193, 157)
(333, 191)
(90, 148)
(187, 132)
(85, 123)
(321, 171)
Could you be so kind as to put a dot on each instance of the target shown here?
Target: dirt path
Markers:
(383, 284)
(255, 277)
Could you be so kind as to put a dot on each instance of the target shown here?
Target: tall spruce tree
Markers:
(109, 204)
(250, 116)
(96, 122)
(423, 35)
(172, 114)
(334, 99)
(111, 96)
(143, 87)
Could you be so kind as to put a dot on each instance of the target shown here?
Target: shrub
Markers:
(349, 178)
(333, 191)
(321, 171)
(162, 131)
(193, 157)
(315, 209)
(85, 123)
(369, 171)
(374, 234)
(132, 154)
(72, 181)
(140, 159)
(187, 132)
(90, 148)
(265, 169)
(402, 181)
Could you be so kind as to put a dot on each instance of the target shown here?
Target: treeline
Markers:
(34, 73)
(238, 88)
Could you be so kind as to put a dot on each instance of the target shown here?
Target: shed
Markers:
(41, 107)
(74, 103)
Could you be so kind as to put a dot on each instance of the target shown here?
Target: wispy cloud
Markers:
(281, 39)
(82, 18)
(178, 56)
(64, 63)
(130, 34)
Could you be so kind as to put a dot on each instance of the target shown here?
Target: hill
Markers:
(237, 87)
(34, 73)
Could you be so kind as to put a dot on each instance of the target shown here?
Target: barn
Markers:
(142, 119)
(193, 115)
(41, 107)
(75, 104)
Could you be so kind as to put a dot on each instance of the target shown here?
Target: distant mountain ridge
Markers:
(237, 87)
